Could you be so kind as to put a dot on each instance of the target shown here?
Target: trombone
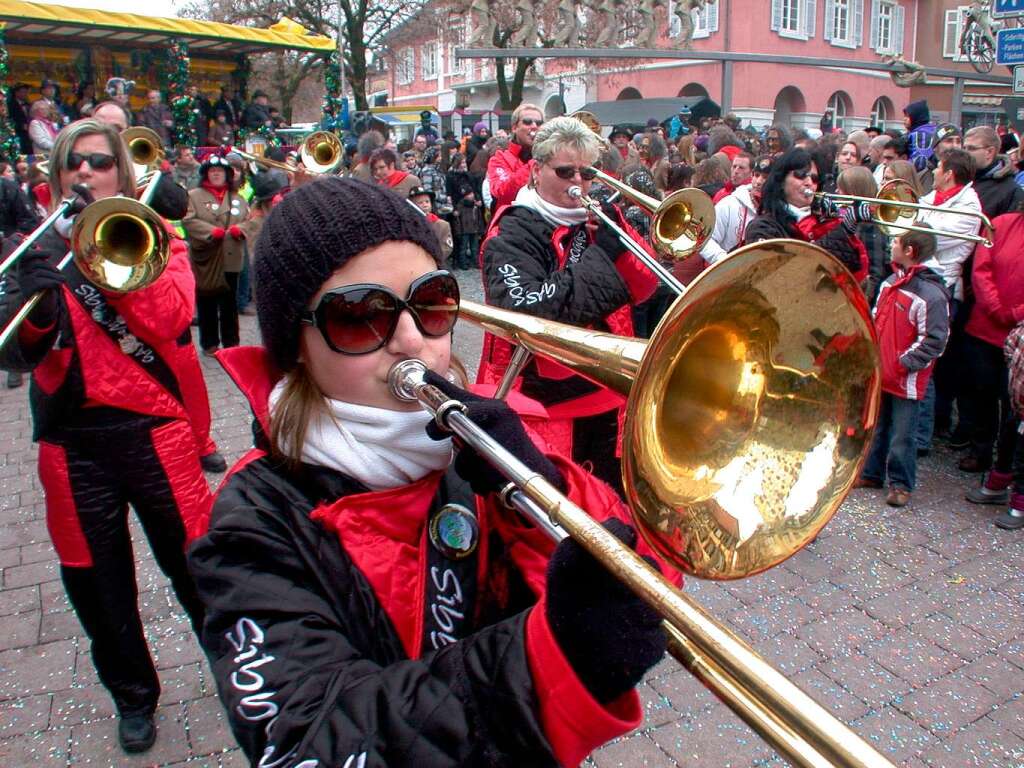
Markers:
(119, 244)
(146, 152)
(321, 152)
(749, 414)
(896, 211)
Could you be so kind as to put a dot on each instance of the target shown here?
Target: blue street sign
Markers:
(1002, 8)
(1010, 46)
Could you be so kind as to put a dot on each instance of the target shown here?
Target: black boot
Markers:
(136, 733)
(14, 380)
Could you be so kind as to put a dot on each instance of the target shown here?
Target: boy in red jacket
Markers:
(912, 322)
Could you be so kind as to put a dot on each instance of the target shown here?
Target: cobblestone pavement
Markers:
(907, 624)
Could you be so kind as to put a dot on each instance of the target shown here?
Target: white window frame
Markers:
(801, 15)
(955, 17)
(405, 66)
(428, 60)
(852, 32)
(876, 115)
(895, 14)
(457, 36)
(839, 113)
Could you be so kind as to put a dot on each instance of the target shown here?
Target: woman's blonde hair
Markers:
(566, 133)
(292, 414)
(65, 143)
(903, 169)
(857, 181)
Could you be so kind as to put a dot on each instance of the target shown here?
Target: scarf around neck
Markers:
(378, 447)
(217, 192)
(553, 214)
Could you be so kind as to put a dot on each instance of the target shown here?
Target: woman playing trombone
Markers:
(544, 256)
(112, 431)
(369, 600)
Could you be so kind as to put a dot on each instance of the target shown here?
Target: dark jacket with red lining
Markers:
(314, 592)
(77, 368)
(556, 273)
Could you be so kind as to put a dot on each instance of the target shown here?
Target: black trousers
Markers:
(90, 477)
(218, 316)
(988, 404)
(594, 440)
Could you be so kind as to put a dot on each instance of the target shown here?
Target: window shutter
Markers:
(776, 15)
(874, 24)
(897, 43)
(830, 19)
(712, 17)
(810, 7)
(858, 22)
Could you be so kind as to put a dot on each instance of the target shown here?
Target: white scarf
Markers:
(799, 213)
(553, 214)
(378, 447)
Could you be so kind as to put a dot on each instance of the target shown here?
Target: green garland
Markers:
(180, 101)
(269, 135)
(10, 147)
(335, 112)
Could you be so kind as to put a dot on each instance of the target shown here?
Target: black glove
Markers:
(826, 208)
(605, 237)
(854, 214)
(36, 273)
(609, 635)
(503, 424)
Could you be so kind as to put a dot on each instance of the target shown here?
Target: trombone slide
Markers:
(794, 724)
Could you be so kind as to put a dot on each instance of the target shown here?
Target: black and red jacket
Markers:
(316, 594)
(555, 272)
(80, 373)
(826, 233)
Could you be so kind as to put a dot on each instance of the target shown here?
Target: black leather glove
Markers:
(609, 635)
(503, 424)
(826, 208)
(853, 215)
(605, 237)
(37, 273)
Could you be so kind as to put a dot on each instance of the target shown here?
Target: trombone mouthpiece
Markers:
(404, 377)
(807, 193)
(574, 192)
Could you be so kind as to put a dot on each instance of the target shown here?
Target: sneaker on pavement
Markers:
(983, 495)
(1011, 520)
(136, 733)
(213, 462)
(897, 497)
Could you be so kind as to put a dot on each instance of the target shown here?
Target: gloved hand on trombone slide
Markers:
(605, 237)
(503, 424)
(609, 635)
(37, 272)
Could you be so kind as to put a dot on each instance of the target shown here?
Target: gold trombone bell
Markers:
(321, 152)
(120, 244)
(144, 146)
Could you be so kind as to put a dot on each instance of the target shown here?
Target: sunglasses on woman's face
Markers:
(806, 174)
(531, 121)
(98, 161)
(359, 319)
(568, 172)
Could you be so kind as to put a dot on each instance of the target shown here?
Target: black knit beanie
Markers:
(312, 232)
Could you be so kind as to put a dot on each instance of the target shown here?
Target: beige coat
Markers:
(211, 258)
(443, 231)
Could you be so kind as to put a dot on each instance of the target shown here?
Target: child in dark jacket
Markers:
(912, 323)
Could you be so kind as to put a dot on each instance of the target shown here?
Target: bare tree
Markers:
(364, 23)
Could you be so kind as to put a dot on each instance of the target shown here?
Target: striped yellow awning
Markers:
(29, 23)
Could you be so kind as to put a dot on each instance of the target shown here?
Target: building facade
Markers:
(421, 67)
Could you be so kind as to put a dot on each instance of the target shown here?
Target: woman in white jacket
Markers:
(41, 128)
(733, 213)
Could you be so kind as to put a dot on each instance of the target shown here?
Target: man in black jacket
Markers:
(994, 180)
(257, 114)
(16, 215)
(17, 109)
(229, 105)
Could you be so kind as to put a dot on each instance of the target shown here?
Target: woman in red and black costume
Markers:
(369, 600)
(545, 256)
(112, 429)
(788, 210)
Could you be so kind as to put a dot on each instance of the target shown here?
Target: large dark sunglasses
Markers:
(98, 161)
(805, 174)
(530, 121)
(568, 172)
(359, 319)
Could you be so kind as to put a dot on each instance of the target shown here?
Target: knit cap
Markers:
(311, 233)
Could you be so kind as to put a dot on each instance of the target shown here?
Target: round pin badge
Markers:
(454, 531)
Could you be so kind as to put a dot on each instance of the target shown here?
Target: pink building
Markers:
(423, 70)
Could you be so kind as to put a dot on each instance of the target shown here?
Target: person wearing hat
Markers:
(424, 200)
(622, 140)
(920, 132)
(363, 584)
(18, 112)
(50, 93)
(680, 124)
(426, 130)
(213, 224)
(382, 166)
(947, 136)
(257, 113)
(481, 133)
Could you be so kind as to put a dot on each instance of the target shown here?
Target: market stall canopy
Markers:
(37, 23)
(636, 112)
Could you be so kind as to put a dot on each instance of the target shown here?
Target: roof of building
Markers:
(39, 23)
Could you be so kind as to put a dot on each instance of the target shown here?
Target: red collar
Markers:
(949, 194)
(396, 178)
(217, 192)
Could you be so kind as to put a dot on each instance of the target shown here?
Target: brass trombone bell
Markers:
(321, 152)
(680, 224)
(120, 244)
(897, 210)
(589, 119)
(144, 146)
